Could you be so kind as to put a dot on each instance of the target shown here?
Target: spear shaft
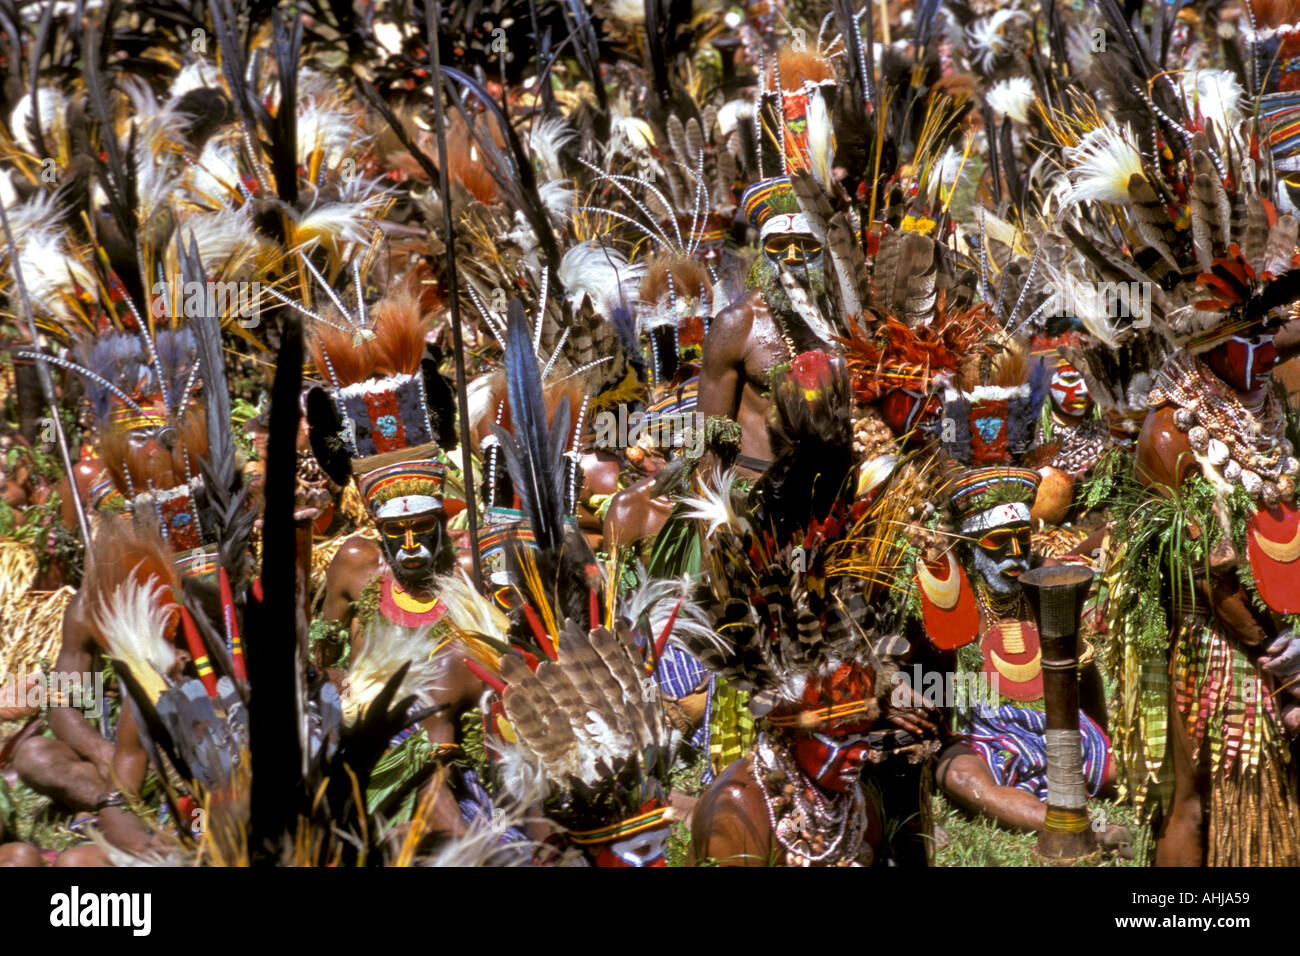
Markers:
(434, 14)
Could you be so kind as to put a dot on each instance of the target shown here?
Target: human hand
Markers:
(15, 693)
(1281, 660)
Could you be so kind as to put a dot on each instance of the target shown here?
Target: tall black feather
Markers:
(234, 67)
(534, 455)
(226, 495)
(586, 47)
(38, 49)
(284, 130)
(116, 173)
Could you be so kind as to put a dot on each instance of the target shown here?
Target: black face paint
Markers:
(416, 547)
(795, 251)
(1001, 555)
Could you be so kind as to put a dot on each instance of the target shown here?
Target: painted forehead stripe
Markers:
(997, 516)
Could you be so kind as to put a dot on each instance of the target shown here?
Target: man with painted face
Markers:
(799, 798)
(385, 422)
(1216, 419)
(804, 638)
(997, 762)
(413, 548)
(768, 327)
(1077, 442)
(395, 579)
(161, 520)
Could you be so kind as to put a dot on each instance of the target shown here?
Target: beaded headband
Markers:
(404, 487)
(981, 488)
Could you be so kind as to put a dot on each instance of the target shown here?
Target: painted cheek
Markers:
(1265, 359)
(851, 761)
(1238, 362)
(810, 753)
(607, 857)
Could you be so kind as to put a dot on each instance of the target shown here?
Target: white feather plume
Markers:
(132, 623)
(1102, 164)
(821, 140)
(53, 112)
(195, 75)
(222, 236)
(557, 196)
(1012, 97)
(591, 273)
(656, 598)
(993, 36)
(713, 504)
(1217, 96)
(468, 611)
(548, 137)
(214, 177)
(386, 648)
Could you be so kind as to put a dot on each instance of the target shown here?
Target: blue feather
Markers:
(176, 355)
(1040, 380)
(624, 322)
(115, 356)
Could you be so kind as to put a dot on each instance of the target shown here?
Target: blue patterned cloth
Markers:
(476, 807)
(1010, 740)
(679, 675)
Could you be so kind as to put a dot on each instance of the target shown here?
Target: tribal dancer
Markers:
(788, 588)
(178, 550)
(574, 700)
(386, 418)
(781, 317)
(1204, 583)
(997, 761)
(1067, 427)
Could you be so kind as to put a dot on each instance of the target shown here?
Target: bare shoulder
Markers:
(734, 787)
(1164, 453)
(740, 312)
(356, 552)
(730, 824)
(730, 328)
(357, 561)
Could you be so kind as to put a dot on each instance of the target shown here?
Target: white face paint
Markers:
(641, 849)
(1012, 512)
(408, 506)
(1000, 544)
(1070, 392)
(786, 224)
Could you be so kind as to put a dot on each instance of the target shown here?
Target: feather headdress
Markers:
(788, 628)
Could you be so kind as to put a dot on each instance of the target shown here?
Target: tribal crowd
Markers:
(628, 433)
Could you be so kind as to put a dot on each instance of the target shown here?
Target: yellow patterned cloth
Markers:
(731, 726)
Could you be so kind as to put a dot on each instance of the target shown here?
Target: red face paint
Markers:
(639, 850)
(1069, 391)
(1244, 363)
(834, 761)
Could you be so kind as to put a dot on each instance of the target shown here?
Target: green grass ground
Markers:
(31, 818)
(979, 842)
